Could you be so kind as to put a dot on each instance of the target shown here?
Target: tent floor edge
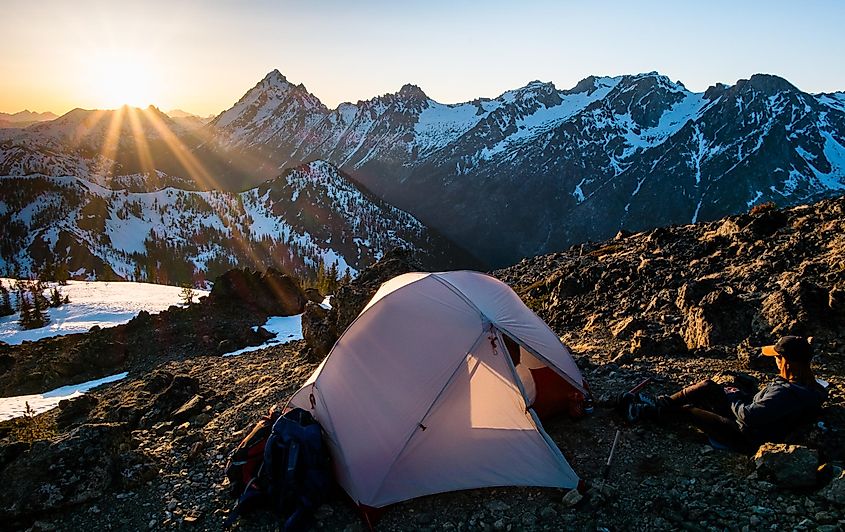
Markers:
(370, 515)
(582, 486)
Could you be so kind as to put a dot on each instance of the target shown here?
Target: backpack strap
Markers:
(252, 496)
(293, 458)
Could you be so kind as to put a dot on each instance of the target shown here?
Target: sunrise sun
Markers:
(118, 79)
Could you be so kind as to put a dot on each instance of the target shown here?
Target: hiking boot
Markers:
(647, 406)
(629, 406)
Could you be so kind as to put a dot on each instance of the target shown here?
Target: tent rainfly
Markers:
(420, 396)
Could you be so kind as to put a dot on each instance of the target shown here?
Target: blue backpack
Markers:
(295, 477)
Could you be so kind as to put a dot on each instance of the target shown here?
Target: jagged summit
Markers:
(274, 78)
(412, 92)
(769, 84)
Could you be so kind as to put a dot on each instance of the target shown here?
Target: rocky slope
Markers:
(538, 168)
(678, 303)
(309, 215)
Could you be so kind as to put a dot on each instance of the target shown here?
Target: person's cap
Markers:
(795, 348)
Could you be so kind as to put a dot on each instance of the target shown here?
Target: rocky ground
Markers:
(677, 304)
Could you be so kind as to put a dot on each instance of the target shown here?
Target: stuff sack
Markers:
(245, 461)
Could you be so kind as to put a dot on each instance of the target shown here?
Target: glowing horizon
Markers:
(202, 56)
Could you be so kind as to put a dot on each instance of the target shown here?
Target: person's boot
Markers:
(647, 407)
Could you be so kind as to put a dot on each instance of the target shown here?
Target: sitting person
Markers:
(732, 418)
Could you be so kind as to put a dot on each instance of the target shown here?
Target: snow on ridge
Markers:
(545, 118)
(835, 100)
(439, 124)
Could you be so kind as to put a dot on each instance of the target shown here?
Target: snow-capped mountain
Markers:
(309, 214)
(532, 170)
(539, 168)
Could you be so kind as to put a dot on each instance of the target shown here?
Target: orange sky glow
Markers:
(202, 55)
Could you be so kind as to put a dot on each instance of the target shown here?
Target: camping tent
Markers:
(419, 395)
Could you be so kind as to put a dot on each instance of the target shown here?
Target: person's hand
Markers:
(731, 389)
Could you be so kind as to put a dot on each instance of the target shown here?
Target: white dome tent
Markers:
(420, 396)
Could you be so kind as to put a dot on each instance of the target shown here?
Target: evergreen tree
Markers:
(40, 318)
(62, 274)
(38, 298)
(331, 279)
(55, 298)
(187, 295)
(25, 309)
(347, 277)
(5, 302)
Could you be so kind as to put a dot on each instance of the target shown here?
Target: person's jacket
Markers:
(778, 409)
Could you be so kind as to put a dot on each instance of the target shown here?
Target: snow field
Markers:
(101, 303)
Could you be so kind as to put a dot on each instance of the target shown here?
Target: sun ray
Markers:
(108, 150)
(192, 165)
(201, 176)
(145, 157)
(85, 126)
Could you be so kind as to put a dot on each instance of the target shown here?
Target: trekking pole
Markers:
(606, 471)
(640, 386)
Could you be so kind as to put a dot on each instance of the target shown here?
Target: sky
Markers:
(202, 56)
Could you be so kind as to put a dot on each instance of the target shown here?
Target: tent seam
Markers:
(531, 350)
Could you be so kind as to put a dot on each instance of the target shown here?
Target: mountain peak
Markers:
(591, 83)
(412, 92)
(655, 79)
(274, 77)
(770, 83)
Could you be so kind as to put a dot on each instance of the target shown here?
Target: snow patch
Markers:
(286, 328)
(12, 407)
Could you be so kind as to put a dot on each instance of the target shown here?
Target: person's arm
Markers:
(772, 404)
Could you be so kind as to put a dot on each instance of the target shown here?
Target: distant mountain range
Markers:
(533, 170)
(24, 118)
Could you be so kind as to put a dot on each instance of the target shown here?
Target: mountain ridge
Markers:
(528, 172)
(307, 216)
(550, 151)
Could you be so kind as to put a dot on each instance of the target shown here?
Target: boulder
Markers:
(835, 491)
(321, 327)
(78, 467)
(312, 294)
(180, 393)
(665, 344)
(75, 410)
(788, 466)
(720, 318)
(693, 292)
(188, 410)
(797, 309)
(351, 298)
(317, 330)
(765, 223)
(626, 327)
(271, 292)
